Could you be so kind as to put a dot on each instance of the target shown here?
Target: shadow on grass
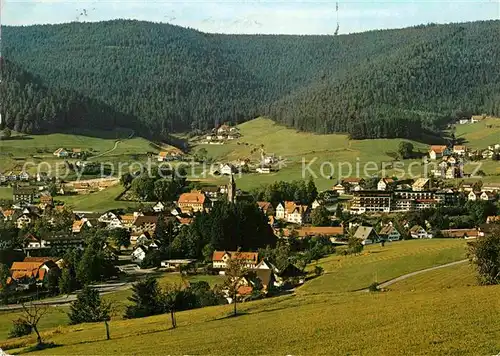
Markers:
(38, 347)
(231, 316)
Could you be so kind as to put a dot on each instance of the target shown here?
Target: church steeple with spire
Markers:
(231, 190)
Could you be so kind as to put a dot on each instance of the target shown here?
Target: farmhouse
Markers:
(491, 187)
(138, 254)
(487, 196)
(29, 272)
(227, 169)
(389, 233)
(266, 207)
(385, 183)
(367, 235)
(418, 232)
(460, 150)
(61, 152)
(493, 219)
(473, 196)
(220, 258)
(175, 265)
(438, 151)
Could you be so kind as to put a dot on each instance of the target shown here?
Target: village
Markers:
(353, 213)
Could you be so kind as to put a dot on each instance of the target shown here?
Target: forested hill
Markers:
(31, 107)
(375, 84)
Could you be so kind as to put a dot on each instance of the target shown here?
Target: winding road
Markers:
(405, 276)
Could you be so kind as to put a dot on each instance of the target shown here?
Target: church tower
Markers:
(231, 190)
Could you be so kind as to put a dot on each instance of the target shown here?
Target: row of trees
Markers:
(298, 191)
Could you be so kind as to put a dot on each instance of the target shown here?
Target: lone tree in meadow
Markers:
(484, 253)
(172, 299)
(31, 315)
(235, 271)
(405, 149)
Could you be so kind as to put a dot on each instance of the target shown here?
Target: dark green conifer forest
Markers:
(160, 78)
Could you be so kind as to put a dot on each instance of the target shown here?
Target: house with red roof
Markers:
(192, 202)
(220, 259)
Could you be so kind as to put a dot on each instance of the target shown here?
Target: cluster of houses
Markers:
(70, 153)
(32, 272)
(172, 154)
(452, 158)
(391, 197)
(260, 273)
(222, 134)
(12, 177)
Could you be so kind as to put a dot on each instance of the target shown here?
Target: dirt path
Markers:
(405, 276)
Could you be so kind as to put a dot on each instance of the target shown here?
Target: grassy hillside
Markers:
(379, 264)
(298, 147)
(462, 275)
(480, 134)
(39, 148)
(327, 320)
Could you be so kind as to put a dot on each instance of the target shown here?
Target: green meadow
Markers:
(425, 314)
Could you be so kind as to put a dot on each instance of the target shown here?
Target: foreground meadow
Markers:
(445, 313)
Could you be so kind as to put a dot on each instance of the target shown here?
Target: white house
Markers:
(487, 154)
(460, 150)
(339, 188)
(491, 187)
(421, 184)
(315, 204)
(107, 217)
(138, 255)
(220, 259)
(438, 151)
(367, 235)
(23, 176)
(384, 183)
(292, 213)
(473, 196)
(159, 207)
(418, 232)
(389, 233)
(487, 196)
(227, 169)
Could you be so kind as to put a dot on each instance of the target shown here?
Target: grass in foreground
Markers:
(431, 323)
(379, 264)
(322, 318)
(462, 275)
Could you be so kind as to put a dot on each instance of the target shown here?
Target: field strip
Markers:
(405, 276)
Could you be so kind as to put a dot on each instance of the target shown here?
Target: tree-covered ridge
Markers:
(392, 83)
(30, 107)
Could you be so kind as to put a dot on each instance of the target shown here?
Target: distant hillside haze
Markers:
(162, 78)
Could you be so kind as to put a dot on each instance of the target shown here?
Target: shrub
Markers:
(373, 287)
(318, 270)
(20, 328)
